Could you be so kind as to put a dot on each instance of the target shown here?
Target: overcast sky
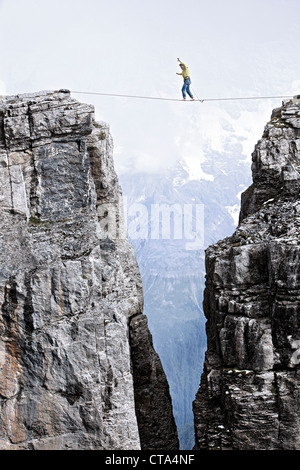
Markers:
(232, 47)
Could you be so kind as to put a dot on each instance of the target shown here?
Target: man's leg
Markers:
(189, 91)
(184, 91)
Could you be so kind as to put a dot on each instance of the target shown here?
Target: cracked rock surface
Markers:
(249, 394)
(69, 283)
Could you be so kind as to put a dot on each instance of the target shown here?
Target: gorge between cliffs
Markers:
(78, 368)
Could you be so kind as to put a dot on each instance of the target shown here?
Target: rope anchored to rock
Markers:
(174, 99)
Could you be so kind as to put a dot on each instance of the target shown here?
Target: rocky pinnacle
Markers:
(249, 392)
(70, 289)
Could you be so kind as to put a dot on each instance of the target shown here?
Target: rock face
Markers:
(151, 390)
(249, 394)
(69, 285)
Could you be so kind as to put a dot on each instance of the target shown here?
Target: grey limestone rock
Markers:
(249, 392)
(153, 404)
(69, 282)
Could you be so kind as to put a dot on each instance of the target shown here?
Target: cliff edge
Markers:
(71, 295)
(249, 394)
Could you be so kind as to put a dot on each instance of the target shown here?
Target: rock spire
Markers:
(69, 288)
(249, 395)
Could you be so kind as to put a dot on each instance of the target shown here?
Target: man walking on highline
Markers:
(186, 80)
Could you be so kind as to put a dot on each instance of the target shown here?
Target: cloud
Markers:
(2, 88)
(188, 133)
(296, 87)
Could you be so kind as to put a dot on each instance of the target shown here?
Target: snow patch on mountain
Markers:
(234, 211)
(194, 170)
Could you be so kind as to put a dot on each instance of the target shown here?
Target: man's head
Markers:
(181, 65)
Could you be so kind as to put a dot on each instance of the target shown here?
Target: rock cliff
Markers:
(250, 388)
(72, 332)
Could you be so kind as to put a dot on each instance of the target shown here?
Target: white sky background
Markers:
(232, 48)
